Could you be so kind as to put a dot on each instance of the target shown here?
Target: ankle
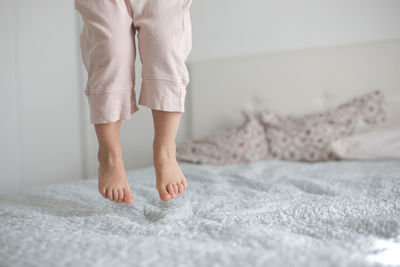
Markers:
(164, 150)
(109, 156)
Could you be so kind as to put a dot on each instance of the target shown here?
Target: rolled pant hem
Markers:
(112, 107)
(164, 95)
(157, 107)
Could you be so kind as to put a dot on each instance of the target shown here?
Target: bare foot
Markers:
(170, 180)
(113, 183)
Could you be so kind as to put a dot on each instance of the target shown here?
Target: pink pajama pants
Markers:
(164, 36)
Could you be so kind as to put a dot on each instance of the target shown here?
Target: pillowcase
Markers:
(309, 137)
(373, 145)
(235, 145)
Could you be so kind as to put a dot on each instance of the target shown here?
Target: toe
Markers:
(176, 190)
(184, 183)
(164, 195)
(120, 195)
(180, 188)
(128, 197)
(103, 192)
(170, 190)
(109, 193)
(115, 194)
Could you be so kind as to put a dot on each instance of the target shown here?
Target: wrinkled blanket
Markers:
(267, 213)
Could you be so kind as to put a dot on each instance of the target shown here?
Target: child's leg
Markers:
(164, 38)
(112, 177)
(108, 53)
(170, 180)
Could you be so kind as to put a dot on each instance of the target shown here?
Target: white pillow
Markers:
(373, 145)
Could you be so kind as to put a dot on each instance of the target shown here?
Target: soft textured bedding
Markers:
(267, 213)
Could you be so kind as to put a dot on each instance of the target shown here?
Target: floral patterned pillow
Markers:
(236, 145)
(309, 137)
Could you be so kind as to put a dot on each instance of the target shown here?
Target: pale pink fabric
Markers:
(108, 52)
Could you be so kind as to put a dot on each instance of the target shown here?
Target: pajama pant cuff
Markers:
(111, 107)
(165, 95)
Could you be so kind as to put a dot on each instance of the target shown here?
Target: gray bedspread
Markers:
(268, 213)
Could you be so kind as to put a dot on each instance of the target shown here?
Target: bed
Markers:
(265, 213)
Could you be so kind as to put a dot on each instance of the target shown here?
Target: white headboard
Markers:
(294, 82)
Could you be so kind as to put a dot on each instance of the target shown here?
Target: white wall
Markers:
(40, 105)
(9, 113)
(223, 28)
